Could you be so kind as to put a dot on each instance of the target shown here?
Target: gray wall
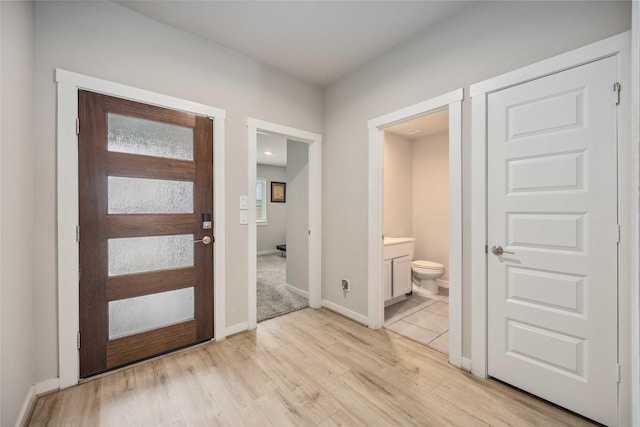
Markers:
(275, 231)
(298, 215)
(106, 40)
(17, 228)
(479, 42)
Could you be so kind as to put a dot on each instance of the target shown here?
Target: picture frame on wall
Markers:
(278, 192)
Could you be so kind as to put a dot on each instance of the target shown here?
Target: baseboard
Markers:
(295, 290)
(466, 364)
(443, 283)
(27, 407)
(346, 312)
(240, 327)
(47, 385)
(269, 252)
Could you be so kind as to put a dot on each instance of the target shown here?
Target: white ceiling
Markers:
(314, 41)
(421, 127)
(275, 144)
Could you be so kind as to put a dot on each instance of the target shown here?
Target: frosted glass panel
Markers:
(138, 195)
(133, 315)
(138, 136)
(138, 254)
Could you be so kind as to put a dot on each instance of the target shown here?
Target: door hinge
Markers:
(78, 233)
(618, 369)
(77, 125)
(78, 340)
(616, 90)
(618, 233)
(486, 249)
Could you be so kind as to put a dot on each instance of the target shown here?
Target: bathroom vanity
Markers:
(398, 253)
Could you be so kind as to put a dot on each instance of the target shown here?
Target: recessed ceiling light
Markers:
(268, 153)
(412, 131)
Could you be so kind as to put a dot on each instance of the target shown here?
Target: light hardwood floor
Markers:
(310, 367)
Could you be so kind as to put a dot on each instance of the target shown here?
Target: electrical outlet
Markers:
(346, 285)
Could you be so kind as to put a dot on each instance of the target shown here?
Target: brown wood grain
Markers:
(139, 284)
(149, 112)
(97, 353)
(204, 204)
(138, 166)
(138, 346)
(92, 142)
(140, 225)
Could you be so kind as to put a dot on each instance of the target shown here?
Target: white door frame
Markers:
(627, 203)
(314, 141)
(377, 126)
(68, 84)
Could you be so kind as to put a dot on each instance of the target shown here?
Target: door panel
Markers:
(401, 276)
(146, 282)
(552, 201)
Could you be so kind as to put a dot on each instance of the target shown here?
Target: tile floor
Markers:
(422, 317)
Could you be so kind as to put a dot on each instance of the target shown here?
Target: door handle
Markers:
(497, 250)
(206, 240)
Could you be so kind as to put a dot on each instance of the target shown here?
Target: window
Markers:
(261, 201)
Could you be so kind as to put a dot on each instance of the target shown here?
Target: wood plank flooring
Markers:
(308, 368)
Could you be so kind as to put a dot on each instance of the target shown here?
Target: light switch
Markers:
(244, 202)
(244, 216)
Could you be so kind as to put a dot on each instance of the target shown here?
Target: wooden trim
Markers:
(138, 346)
(137, 166)
(479, 235)
(67, 247)
(455, 233)
(142, 225)
(83, 81)
(576, 57)
(139, 284)
(416, 110)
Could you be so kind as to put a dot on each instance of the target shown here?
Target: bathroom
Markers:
(416, 208)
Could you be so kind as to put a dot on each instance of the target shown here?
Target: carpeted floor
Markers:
(273, 298)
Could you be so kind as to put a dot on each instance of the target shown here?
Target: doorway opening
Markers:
(416, 229)
(68, 86)
(388, 262)
(283, 218)
(282, 205)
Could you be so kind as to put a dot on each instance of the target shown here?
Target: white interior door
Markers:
(552, 201)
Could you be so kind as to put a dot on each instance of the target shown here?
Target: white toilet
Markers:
(425, 274)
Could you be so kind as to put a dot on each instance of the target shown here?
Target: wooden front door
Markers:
(146, 252)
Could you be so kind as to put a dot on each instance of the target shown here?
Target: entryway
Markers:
(552, 230)
(298, 193)
(282, 229)
(388, 266)
(416, 209)
(146, 231)
(69, 84)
